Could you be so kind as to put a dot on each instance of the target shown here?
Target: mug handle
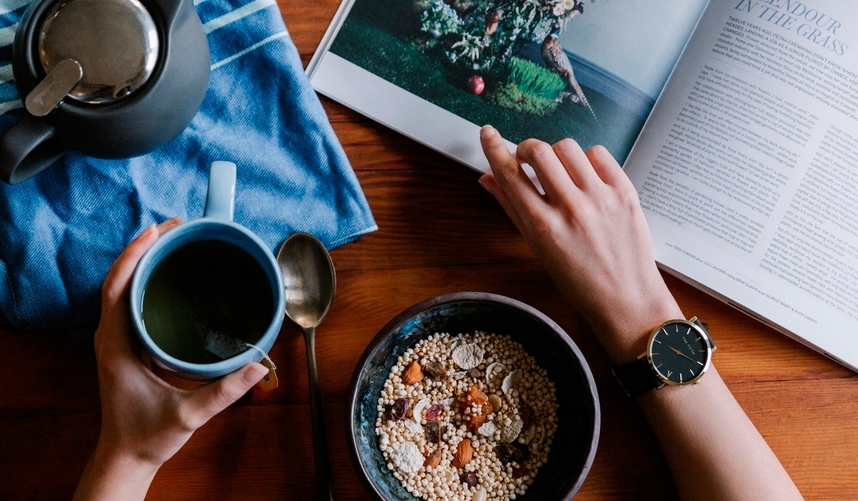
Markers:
(27, 149)
(220, 200)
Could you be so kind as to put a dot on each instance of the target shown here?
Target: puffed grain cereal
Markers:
(478, 426)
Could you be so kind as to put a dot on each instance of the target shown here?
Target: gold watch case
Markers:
(665, 381)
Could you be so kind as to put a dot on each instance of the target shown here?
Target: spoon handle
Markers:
(320, 440)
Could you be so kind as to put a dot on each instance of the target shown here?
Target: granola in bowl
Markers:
(466, 417)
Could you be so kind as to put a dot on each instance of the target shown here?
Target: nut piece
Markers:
(435, 371)
(433, 460)
(511, 381)
(413, 374)
(496, 402)
(463, 454)
(418, 410)
(480, 495)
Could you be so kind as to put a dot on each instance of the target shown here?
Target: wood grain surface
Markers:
(439, 232)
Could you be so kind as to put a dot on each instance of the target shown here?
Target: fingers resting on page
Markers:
(588, 230)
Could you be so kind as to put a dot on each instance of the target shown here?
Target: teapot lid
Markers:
(115, 41)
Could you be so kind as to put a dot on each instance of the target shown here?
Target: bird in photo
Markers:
(492, 22)
(556, 59)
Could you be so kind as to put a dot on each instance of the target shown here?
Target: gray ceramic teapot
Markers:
(107, 78)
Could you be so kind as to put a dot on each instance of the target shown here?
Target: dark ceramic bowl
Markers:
(579, 416)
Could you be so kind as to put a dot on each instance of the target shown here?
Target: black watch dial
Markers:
(679, 352)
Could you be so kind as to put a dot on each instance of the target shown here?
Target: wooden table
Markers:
(439, 232)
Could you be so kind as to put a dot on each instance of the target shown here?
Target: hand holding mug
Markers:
(145, 420)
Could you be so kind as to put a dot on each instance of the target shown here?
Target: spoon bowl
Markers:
(310, 280)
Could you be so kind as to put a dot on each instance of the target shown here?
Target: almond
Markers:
(464, 453)
(433, 460)
(413, 374)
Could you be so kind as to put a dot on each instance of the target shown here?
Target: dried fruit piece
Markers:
(468, 356)
(406, 456)
(413, 374)
(397, 411)
(476, 396)
(419, 409)
(477, 420)
(464, 453)
(474, 373)
(513, 452)
(469, 478)
(434, 411)
(496, 402)
(526, 416)
(435, 371)
(433, 460)
(433, 432)
(521, 471)
(511, 381)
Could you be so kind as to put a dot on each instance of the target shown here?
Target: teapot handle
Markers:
(27, 149)
(220, 200)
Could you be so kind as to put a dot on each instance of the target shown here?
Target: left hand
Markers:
(145, 420)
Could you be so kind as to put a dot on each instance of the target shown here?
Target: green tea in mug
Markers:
(205, 299)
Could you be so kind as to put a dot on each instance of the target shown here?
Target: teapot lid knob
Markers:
(116, 43)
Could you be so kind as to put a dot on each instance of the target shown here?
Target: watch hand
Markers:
(681, 354)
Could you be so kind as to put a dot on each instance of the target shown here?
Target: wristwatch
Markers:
(679, 352)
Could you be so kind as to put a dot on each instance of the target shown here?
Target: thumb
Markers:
(208, 400)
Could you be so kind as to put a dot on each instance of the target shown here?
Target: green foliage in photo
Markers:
(509, 96)
(534, 80)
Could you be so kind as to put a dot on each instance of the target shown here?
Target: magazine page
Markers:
(748, 167)
(437, 70)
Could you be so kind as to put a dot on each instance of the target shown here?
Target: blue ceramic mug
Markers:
(207, 297)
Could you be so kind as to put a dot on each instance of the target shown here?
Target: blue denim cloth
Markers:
(61, 230)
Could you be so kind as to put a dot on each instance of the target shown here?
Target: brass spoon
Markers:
(310, 281)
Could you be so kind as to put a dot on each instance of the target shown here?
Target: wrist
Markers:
(113, 474)
(624, 331)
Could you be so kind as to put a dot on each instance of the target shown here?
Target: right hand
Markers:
(589, 232)
(143, 416)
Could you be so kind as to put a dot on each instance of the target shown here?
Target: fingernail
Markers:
(568, 144)
(254, 373)
(147, 232)
(487, 132)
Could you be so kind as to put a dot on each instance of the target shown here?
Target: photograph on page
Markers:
(550, 69)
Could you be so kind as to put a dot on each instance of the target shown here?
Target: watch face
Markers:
(679, 352)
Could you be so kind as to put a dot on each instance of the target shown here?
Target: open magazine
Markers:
(736, 120)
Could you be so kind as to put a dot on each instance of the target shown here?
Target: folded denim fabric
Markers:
(61, 230)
